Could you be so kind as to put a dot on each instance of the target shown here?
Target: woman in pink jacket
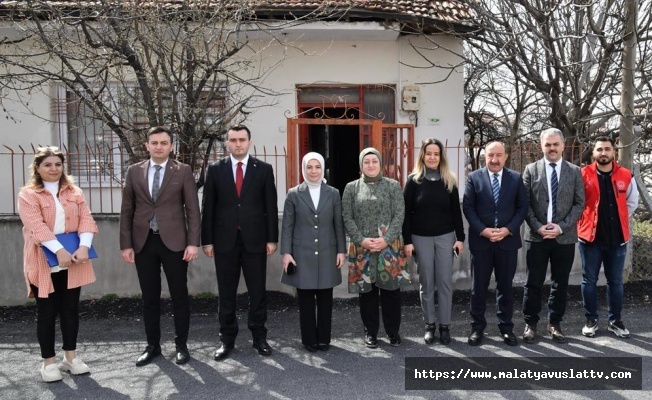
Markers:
(48, 205)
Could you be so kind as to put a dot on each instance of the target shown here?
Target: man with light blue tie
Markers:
(555, 203)
(495, 205)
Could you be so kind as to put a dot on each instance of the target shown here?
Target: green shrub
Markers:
(641, 248)
(204, 296)
(642, 228)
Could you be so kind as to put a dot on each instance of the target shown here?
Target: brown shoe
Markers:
(530, 334)
(556, 334)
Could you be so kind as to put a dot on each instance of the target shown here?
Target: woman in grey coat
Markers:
(313, 239)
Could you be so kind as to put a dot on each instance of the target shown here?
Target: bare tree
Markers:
(581, 66)
(568, 53)
(129, 65)
(498, 104)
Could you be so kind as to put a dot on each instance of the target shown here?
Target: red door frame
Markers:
(395, 141)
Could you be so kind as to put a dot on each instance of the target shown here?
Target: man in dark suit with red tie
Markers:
(495, 205)
(240, 229)
(160, 225)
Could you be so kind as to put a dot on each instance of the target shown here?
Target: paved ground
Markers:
(349, 370)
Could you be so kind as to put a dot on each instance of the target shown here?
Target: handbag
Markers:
(292, 268)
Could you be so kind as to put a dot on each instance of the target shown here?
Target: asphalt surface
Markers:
(349, 370)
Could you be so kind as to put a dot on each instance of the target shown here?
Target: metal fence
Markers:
(463, 159)
(100, 173)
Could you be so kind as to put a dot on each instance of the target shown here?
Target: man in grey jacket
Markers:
(555, 201)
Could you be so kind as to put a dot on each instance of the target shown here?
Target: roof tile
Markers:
(450, 11)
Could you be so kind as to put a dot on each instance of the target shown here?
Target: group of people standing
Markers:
(561, 205)
(162, 225)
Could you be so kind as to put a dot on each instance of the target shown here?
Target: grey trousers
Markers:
(435, 267)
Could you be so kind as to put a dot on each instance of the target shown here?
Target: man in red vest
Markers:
(603, 231)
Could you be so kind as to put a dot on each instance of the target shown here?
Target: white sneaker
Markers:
(618, 328)
(75, 367)
(50, 373)
(590, 328)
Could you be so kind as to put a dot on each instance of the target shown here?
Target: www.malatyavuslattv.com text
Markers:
(468, 373)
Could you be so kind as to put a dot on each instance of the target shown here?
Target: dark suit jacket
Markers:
(570, 200)
(177, 208)
(480, 209)
(255, 211)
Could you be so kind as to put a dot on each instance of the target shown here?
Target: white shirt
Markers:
(548, 177)
(152, 171)
(85, 239)
(500, 177)
(314, 195)
(234, 165)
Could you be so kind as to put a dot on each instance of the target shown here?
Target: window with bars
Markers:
(95, 152)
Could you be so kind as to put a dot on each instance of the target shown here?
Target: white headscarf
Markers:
(304, 163)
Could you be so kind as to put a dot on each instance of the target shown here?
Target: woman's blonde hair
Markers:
(35, 180)
(419, 171)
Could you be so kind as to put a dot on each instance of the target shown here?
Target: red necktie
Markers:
(239, 178)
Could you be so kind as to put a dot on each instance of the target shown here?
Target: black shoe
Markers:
(311, 347)
(429, 335)
(618, 328)
(263, 348)
(509, 338)
(183, 355)
(475, 338)
(554, 330)
(371, 341)
(590, 328)
(444, 334)
(530, 333)
(223, 351)
(323, 346)
(395, 339)
(148, 355)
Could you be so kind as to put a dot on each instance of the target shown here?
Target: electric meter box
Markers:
(411, 98)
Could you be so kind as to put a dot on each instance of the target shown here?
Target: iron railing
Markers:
(101, 174)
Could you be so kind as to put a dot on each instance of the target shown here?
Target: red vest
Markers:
(620, 179)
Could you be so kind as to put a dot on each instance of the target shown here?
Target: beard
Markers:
(605, 161)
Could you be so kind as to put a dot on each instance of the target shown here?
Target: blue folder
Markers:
(70, 242)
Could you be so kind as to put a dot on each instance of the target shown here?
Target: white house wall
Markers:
(368, 62)
(316, 62)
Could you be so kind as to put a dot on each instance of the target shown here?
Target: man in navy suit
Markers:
(495, 205)
(240, 229)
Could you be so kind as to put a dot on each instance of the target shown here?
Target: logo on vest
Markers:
(620, 185)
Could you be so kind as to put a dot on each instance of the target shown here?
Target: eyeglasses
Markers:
(47, 148)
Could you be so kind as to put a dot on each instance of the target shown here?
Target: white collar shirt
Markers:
(234, 165)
